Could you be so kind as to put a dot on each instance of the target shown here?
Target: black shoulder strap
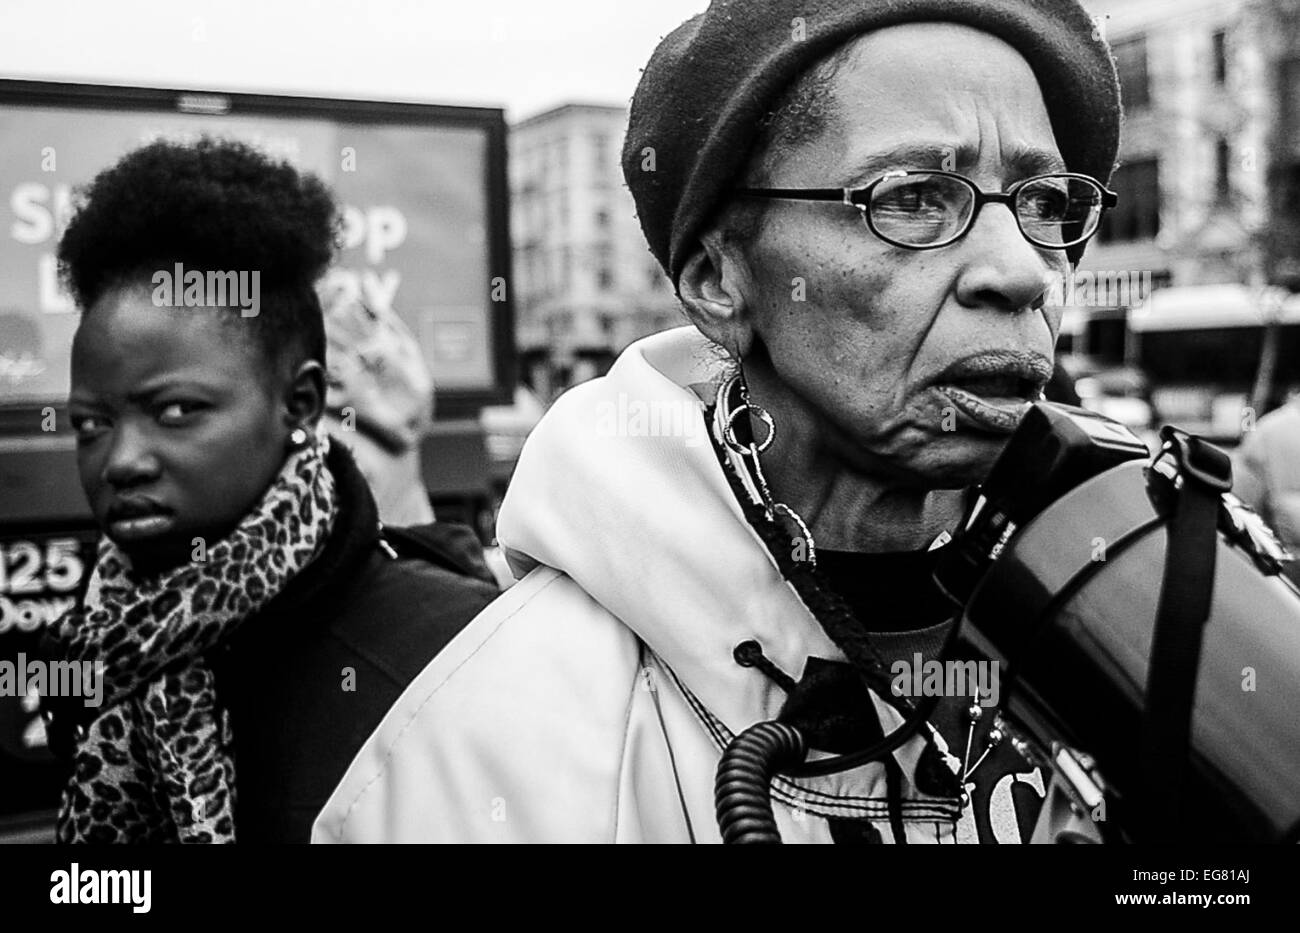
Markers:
(1185, 596)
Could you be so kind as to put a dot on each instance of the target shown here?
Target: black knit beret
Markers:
(708, 85)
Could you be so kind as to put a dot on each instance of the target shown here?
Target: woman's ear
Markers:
(712, 289)
(304, 397)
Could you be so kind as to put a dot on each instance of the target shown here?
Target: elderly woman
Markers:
(861, 205)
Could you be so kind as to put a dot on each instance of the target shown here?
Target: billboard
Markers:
(422, 190)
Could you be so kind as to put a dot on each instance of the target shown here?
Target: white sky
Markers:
(525, 55)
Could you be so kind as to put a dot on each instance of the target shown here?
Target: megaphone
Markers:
(1150, 641)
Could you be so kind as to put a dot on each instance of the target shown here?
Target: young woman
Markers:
(253, 617)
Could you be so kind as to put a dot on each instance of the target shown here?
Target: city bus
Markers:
(1201, 347)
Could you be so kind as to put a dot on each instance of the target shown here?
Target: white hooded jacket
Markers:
(591, 702)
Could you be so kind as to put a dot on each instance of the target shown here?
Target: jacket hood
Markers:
(619, 488)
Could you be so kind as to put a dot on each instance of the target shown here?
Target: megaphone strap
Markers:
(1204, 473)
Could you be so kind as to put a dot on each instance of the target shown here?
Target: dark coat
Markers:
(308, 679)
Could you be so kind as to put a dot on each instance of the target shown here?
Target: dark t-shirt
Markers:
(894, 597)
(892, 591)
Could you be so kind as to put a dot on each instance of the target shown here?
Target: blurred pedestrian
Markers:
(379, 401)
(1266, 475)
(253, 621)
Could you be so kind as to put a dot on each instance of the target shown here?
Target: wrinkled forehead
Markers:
(934, 95)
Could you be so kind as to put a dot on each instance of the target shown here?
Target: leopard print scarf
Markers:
(157, 764)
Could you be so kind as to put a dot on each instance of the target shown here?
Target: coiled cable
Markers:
(741, 793)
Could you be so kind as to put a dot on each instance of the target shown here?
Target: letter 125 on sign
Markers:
(27, 568)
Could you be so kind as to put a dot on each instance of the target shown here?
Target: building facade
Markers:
(586, 284)
(1209, 163)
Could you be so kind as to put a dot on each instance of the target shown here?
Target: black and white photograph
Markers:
(561, 421)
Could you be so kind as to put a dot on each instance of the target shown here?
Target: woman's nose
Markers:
(1003, 270)
(130, 461)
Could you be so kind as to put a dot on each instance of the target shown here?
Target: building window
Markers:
(1286, 191)
(602, 219)
(1136, 216)
(604, 267)
(1218, 42)
(1131, 65)
(602, 165)
(1289, 81)
(1222, 157)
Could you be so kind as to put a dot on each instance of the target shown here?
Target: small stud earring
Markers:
(298, 437)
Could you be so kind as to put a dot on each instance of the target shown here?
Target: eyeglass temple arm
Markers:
(799, 194)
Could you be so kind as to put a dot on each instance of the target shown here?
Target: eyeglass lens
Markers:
(925, 210)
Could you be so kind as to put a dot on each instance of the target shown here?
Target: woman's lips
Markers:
(141, 527)
(1000, 415)
(137, 518)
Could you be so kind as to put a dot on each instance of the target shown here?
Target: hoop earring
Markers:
(729, 416)
(747, 455)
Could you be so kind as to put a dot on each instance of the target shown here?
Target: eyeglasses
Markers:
(927, 209)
